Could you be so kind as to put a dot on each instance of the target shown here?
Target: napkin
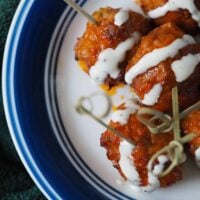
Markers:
(15, 183)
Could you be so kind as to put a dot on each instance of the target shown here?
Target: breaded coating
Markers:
(181, 17)
(148, 5)
(107, 35)
(191, 124)
(162, 73)
(146, 146)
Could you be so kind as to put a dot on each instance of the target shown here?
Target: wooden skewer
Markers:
(80, 108)
(81, 11)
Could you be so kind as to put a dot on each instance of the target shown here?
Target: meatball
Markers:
(184, 15)
(107, 35)
(163, 74)
(146, 145)
(191, 124)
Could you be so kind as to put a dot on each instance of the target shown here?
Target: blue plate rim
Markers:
(9, 103)
(10, 107)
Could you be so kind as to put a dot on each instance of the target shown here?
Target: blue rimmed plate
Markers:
(41, 85)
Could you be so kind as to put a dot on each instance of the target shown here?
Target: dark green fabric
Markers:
(15, 183)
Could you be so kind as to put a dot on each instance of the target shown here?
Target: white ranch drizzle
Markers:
(173, 5)
(153, 95)
(185, 67)
(109, 60)
(126, 162)
(159, 168)
(156, 56)
(121, 17)
(123, 94)
(129, 170)
(197, 156)
(122, 116)
(153, 184)
(153, 181)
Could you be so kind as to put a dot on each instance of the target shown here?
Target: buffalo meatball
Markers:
(146, 145)
(191, 124)
(158, 65)
(183, 14)
(109, 45)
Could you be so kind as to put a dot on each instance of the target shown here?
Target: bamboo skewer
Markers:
(174, 150)
(166, 120)
(80, 108)
(81, 11)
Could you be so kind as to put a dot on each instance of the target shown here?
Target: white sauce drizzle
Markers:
(153, 179)
(121, 17)
(129, 170)
(126, 163)
(185, 67)
(122, 116)
(123, 94)
(158, 169)
(109, 59)
(154, 183)
(156, 56)
(197, 156)
(153, 95)
(173, 5)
